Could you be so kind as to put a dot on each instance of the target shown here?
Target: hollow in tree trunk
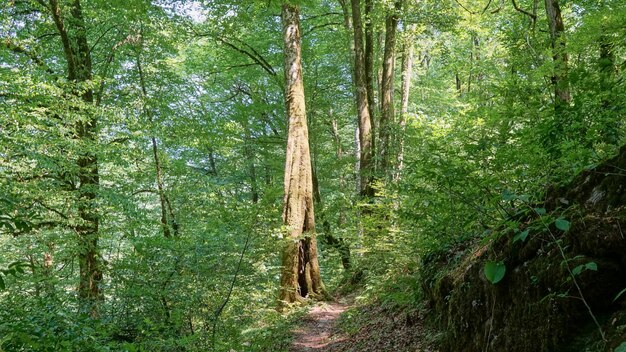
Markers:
(300, 273)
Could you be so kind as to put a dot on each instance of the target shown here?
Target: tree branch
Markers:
(22, 50)
(323, 15)
(40, 203)
(321, 26)
(251, 53)
(129, 39)
(55, 10)
(254, 55)
(487, 7)
(465, 8)
(532, 16)
(102, 36)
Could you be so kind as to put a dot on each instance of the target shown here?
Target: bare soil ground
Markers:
(317, 332)
(380, 330)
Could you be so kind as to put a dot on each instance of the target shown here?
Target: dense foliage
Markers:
(186, 103)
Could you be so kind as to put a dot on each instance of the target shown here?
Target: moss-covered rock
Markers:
(538, 306)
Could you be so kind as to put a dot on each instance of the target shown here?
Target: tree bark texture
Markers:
(387, 116)
(163, 199)
(407, 73)
(77, 54)
(369, 62)
(300, 275)
(363, 108)
(347, 20)
(562, 95)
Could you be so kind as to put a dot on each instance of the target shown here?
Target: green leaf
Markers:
(562, 224)
(494, 271)
(2, 285)
(521, 236)
(577, 270)
(508, 195)
(591, 266)
(540, 211)
(621, 348)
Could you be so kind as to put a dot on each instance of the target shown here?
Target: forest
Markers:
(313, 175)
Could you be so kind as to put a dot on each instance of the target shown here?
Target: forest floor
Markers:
(372, 329)
(318, 331)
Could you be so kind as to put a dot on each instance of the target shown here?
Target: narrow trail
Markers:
(316, 331)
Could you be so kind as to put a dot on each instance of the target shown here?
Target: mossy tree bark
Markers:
(369, 58)
(407, 73)
(300, 276)
(562, 95)
(77, 55)
(366, 139)
(387, 117)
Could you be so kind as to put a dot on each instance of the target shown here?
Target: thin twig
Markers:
(465, 8)
(487, 6)
(532, 16)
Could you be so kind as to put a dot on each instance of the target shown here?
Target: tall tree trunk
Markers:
(347, 20)
(159, 179)
(606, 65)
(562, 95)
(327, 238)
(407, 73)
(77, 54)
(474, 59)
(249, 154)
(166, 206)
(300, 274)
(363, 109)
(387, 109)
(369, 64)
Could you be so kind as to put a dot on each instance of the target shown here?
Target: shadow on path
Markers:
(316, 331)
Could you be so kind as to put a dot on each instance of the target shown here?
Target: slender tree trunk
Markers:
(562, 95)
(369, 63)
(249, 153)
(300, 275)
(380, 41)
(157, 166)
(363, 109)
(342, 246)
(166, 206)
(77, 55)
(328, 238)
(469, 77)
(407, 73)
(347, 20)
(212, 164)
(606, 65)
(387, 117)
